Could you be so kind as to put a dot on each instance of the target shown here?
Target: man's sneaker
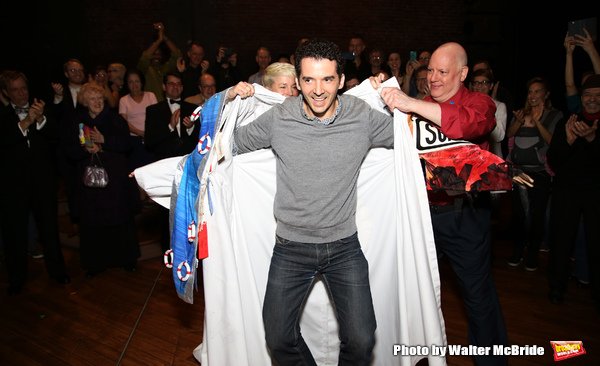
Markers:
(514, 261)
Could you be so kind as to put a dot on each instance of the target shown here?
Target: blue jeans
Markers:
(345, 272)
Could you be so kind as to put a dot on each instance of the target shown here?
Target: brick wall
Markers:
(122, 29)
(519, 44)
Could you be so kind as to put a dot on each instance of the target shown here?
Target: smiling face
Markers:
(537, 94)
(75, 73)
(590, 100)
(446, 71)
(284, 85)
(208, 86)
(394, 61)
(173, 87)
(95, 102)
(17, 92)
(319, 83)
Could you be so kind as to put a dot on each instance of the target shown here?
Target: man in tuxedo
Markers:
(170, 132)
(28, 138)
(169, 129)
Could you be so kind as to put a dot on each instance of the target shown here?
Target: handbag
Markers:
(94, 175)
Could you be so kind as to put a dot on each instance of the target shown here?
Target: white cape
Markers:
(394, 228)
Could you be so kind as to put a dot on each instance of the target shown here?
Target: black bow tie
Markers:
(173, 101)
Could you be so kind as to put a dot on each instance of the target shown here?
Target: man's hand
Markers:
(175, 119)
(161, 30)
(58, 89)
(395, 98)
(204, 65)
(570, 129)
(586, 131)
(377, 80)
(586, 42)
(36, 111)
(180, 64)
(187, 122)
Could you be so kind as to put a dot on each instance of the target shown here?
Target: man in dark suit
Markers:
(28, 140)
(64, 106)
(169, 129)
(170, 132)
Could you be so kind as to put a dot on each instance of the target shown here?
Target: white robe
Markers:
(394, 228)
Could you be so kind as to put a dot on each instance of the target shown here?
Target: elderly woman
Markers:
(107, 230)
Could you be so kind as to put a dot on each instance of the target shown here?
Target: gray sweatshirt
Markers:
(317, 164)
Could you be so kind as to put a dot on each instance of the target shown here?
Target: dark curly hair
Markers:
(319, 49)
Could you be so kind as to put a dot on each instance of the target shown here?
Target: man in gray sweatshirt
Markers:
(320, 140)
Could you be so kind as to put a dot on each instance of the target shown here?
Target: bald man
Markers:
(207, 86)
(461, 223)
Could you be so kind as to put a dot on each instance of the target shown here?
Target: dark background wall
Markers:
(520, 43)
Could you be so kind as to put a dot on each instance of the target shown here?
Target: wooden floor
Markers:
(130, 319)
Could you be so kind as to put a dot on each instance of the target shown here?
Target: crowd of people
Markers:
(128, 117)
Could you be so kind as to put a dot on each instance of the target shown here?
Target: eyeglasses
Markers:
(422, 58)
(481, 83)
(173, 83)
